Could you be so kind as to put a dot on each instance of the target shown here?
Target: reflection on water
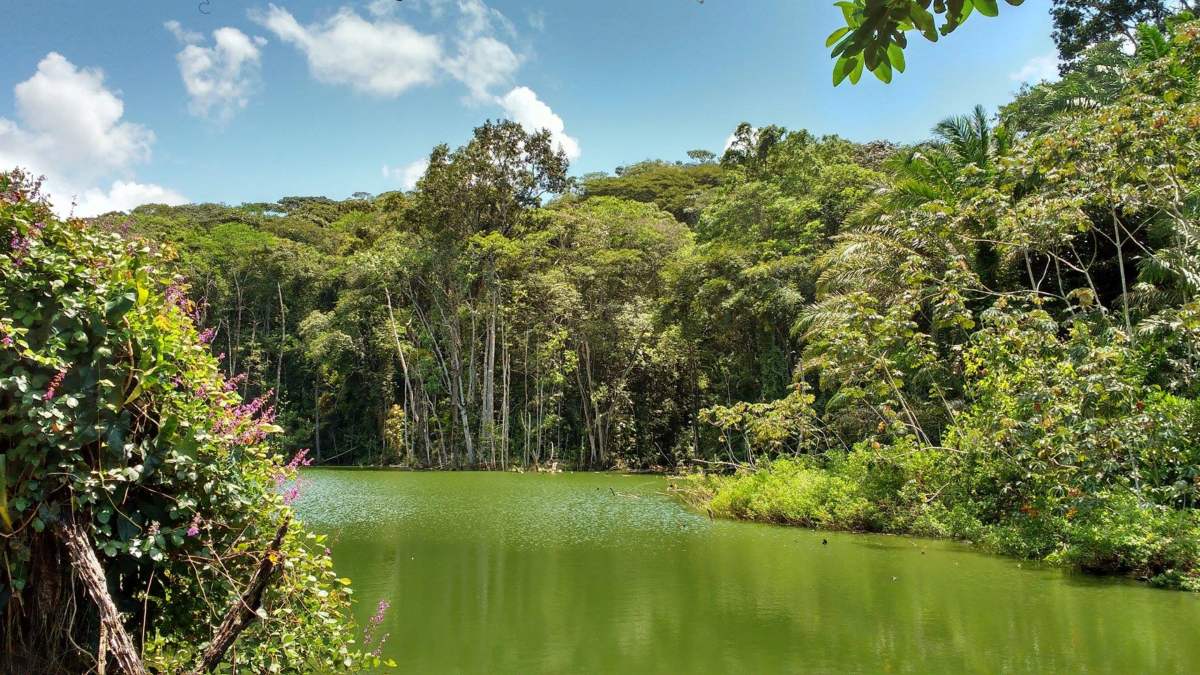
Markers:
(593, 573)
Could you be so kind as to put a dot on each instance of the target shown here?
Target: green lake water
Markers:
(602, 573)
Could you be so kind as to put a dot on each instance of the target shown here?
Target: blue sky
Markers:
(125, 101)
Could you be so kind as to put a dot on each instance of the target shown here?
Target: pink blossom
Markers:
(373, 624)
(54, 385)
(292, 494)
(19, 246)
(233, 382)
(194, 528)
(300, 459)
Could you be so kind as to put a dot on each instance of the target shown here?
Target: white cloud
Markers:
(1037, 69)
(219, 79)
(123, 196)
(406, 175)
(70, 129)
(478, 19)
(483, 63)
(71, 124)
(524, 107)
(383, 57)
(182, 34)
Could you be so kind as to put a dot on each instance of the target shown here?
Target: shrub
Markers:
(115, 417)
(792, 491)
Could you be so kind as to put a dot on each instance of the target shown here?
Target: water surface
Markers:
(601, 573)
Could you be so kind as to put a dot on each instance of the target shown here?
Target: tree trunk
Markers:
(487, 419)
(282, 339)
(87, 568)
(410, 402)
(245, 608)
(505, 375)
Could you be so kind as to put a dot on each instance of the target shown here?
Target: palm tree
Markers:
(934, 170)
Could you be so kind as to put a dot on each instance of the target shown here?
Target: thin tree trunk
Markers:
(410, 403)
(487, 419)
(505, 373)
(1121, 265)
(317, 409)
(585, 401)
(245, 608)
(282, 339)
(87, 568)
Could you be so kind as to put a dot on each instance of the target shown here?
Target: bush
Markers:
(114, 416)
(791, 491)
(1117, 535)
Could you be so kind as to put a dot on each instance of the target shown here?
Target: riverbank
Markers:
(1111, 534)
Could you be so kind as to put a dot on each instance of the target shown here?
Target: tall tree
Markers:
(1080, 24)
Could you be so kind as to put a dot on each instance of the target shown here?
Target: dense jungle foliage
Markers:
(988, 335)
(116, 419)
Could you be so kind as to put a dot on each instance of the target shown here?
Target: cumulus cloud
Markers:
(219, 79)
(71, 123)
(407, 175)
(1037, 69)
(524, 107)
(380, 55)
(483, 63)
(123, 196)
(70, 128)
(384, 57)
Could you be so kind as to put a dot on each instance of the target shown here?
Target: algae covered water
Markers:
(603, 573)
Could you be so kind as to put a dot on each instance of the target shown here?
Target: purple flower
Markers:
(54, 385)
(292, 494)
(373, 624)
(194, 528)
(300, 459)
(19, 246)
(380, 610)
(206, 336)
(233, 382)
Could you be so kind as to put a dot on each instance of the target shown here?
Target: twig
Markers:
(245, 609)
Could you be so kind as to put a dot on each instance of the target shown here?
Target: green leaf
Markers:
(883, 72)
(836, 35)
(923, 20)
(842, 68)
(848, 12)
(856, 74)
(117, 307)
(896, 56)
(987, 7)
